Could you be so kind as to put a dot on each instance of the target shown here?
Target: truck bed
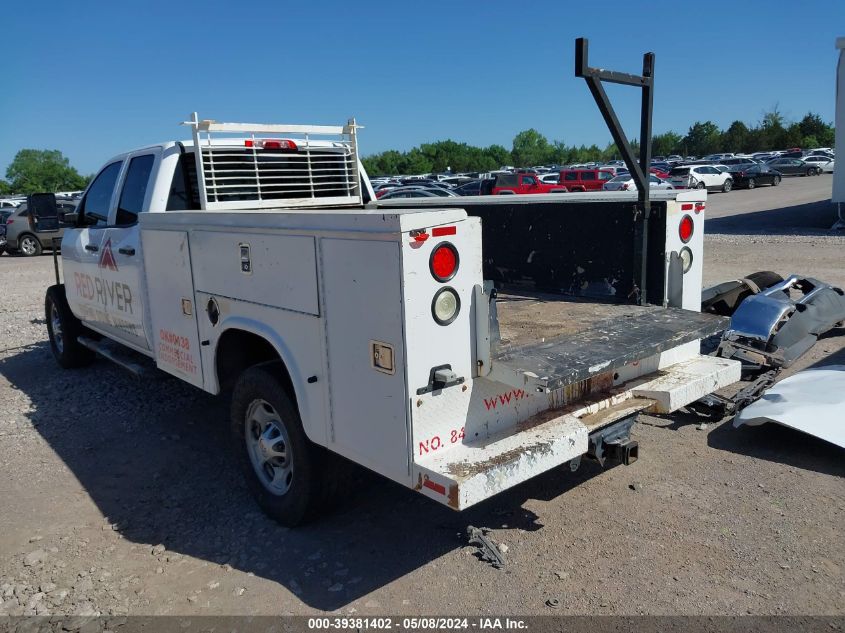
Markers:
(558, 341)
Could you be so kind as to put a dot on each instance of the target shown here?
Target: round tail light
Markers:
(444, 262)
(686, 228)
(445, 306)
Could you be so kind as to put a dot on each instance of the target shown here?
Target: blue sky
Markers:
(94, 79)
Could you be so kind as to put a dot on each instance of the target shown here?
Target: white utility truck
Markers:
(253, 258)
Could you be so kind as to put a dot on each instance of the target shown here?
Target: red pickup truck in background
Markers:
(523, 183)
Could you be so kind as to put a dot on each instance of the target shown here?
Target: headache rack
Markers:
(254, 165)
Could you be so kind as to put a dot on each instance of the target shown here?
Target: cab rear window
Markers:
(679, 171)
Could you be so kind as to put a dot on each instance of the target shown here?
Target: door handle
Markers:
(126, 250)
(92, 247)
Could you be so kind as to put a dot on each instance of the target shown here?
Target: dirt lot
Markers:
(120, 497)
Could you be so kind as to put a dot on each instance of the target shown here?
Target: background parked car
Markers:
(750, 176)
(826, 164)
(20, 236)
(794, 167)
(418, 192)
(4, 214)
(472, 188)
(700, 177)
(584, 179)
(625, 182)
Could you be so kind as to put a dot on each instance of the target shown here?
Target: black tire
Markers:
(701, 185)
(727, 185)
(810, 172)
(309, 482)
(764, 278)
(29, 245)
(63, 329)
(775, 181)
(751, 183)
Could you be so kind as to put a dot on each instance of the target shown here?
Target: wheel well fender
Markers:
(244, 343)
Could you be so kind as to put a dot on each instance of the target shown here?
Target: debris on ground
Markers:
(811, 401)
(488, 551)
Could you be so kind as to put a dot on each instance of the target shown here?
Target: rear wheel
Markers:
(285, 472)
(811, 172)
(64, 329)
(751, 183)
(28, 245)
(775, 181)
(700, 185)
(727, 185)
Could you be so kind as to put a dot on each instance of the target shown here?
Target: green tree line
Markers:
(41, 170)
(529, 147)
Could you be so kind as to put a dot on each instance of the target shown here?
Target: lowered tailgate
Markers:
(546, 342)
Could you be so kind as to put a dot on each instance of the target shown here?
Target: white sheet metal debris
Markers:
(812, 401)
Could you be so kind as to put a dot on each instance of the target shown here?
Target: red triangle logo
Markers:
(107, 257)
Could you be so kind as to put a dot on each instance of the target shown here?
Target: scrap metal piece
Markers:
(774, 328)
(716, 407)
(488, 551)
(724, 298)
(811, 401)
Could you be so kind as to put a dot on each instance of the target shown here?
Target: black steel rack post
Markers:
(640, 171)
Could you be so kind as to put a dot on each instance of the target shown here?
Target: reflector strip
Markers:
(440, 231)
(686, 206)
(440, 488)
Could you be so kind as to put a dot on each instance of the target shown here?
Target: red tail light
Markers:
(444, 262)
(9, 221)
(686, 228)
(271, 144)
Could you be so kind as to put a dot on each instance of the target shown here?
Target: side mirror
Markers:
(71, 218)
(43, 212)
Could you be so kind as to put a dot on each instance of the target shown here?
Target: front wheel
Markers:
(727, 185)
(775, 181)
(64, 329)
(29, 246)
(283, 469)
(751, 183)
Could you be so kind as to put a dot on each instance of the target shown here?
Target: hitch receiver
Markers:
(614, 443)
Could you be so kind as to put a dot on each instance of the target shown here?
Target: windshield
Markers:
(622, 178)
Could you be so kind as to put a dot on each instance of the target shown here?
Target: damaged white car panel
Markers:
(811, 401)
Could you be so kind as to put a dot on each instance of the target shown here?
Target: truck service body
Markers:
(459, 347)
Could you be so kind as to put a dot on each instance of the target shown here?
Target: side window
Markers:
(605, 175)
(134, 189)
(94, 209)
(183, 194)
(528, 180)
(588, 175)
(571, 175)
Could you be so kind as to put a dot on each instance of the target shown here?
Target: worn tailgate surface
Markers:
(563, 342)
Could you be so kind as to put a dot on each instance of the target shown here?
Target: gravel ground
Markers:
(120, 497)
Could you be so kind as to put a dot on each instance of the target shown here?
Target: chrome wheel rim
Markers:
(56, 327)
(268, 446)
(28, 246)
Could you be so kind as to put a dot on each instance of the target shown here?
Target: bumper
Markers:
(472, 472)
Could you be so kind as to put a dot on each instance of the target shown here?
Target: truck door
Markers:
(122, 263)
(81, 246)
